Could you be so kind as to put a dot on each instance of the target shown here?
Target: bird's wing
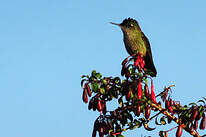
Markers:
(148, 59)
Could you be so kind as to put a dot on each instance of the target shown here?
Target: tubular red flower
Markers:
(124, 61)
(136, 63)
(85, 97)
(202, 123)
(171, 102)
(152, 93)
(146, 89)
(170, 109)
(89, 92)
(139, 92)
(167, 104)
(196, 125)
(194, 114)
(138, 110)
(99, 105)
(142, 62)
(147, 112)
(128, 95)
(179, 131)
(104, 108)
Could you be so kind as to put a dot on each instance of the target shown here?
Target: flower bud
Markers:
(195, 124)
(194, 114)
(167, 104)
(123, 71)
(85, 97)
(147, 112)
(91, 104)
(171, 102)
(128, 95)
(99, 105)
(89, 92)
(203, 121)
(124, 61)
(179, 131)
(138, 110)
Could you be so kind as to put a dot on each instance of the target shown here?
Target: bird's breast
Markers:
(134, 45)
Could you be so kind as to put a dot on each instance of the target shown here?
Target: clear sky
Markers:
(46, 45)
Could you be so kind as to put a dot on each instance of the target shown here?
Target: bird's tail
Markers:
(150, 68)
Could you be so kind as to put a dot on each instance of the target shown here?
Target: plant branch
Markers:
(194, 133)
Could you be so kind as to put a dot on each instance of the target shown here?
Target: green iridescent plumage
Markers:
(137, 43)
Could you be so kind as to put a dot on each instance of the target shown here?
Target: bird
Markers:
(136, 42)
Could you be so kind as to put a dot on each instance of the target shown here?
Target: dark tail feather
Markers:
(150, 68)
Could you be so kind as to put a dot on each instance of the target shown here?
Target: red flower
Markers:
(124, 61)
(128, 95)
(138, 110)
(203, 121)
(152, 93)
(147, 112)
(85, 97)
(194, 114)
(142, 62)
(195, 124)
(139, 92)
(99, 105)
(146, 89)
(89, 92)
(136, 63)
(179, 131)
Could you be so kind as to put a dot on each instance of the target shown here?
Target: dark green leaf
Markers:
(98, 75)
(84, 76)
(117, 80)
(93, 73)
(104, 81)
(191, 104)
(132, 127)
(201, 101)
(95, 86)
(82, 82)
(138, 123)
(129, 116)
(102, 91)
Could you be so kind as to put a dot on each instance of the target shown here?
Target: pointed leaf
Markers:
(138, 123)
(82, 82)
(201, 101)
(95, 87)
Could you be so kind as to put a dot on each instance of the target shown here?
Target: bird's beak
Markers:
(115, 24)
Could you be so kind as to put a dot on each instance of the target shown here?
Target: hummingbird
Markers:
(137, 43)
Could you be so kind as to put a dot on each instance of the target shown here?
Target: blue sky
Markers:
(46, 45)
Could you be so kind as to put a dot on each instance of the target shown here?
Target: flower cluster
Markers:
(137, 102)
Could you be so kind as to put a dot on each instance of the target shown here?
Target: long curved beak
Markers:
(115, 24)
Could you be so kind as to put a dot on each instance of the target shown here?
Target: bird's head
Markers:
(128, 24)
